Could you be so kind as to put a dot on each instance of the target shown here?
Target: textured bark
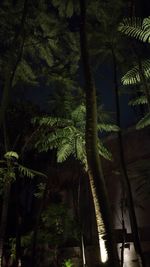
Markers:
(124, 175)
(94, 168)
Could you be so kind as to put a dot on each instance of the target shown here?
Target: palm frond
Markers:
(50, 121)
(144, 122)
(29, 172)
(141, 100)
(136, 28)
(79, 113)
(103, 151)
(107, 127)
(64, 151)
(133, 76)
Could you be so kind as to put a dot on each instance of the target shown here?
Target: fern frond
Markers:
(103, 151)
(133, 77)
(134, 27)
(107, 127)
(64, 151)
(144, 122)
(141, 100)
(131, 26)
(79, 113)
(50, 121)
(146, 30)
(29, 172)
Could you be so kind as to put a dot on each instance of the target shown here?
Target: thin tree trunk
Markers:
(124, 175)
(36, 228)
(5, 202)
(105, 230)
(18, 224)
(12, 64)
(3, 222)
(123, 232)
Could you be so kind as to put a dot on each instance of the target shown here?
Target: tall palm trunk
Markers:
(124, 174)
(105, 231)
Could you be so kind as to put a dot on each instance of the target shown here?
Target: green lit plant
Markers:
(139, 29)
(67, 263)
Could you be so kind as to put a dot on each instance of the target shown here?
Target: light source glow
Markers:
(103, 251)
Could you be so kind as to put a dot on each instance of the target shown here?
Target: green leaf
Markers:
(107, 127)
(141, 100)
(69, 8)
(133, 76)
(11, 154)
(103, 151)
(29, 172)
(64, 152)
(144, 122)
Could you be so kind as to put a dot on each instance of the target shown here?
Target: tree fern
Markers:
(69, 139)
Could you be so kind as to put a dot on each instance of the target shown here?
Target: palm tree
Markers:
(68, 137)
(105, 229)
(110, 46)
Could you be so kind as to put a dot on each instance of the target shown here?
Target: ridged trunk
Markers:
(102, 208)
(124, 175)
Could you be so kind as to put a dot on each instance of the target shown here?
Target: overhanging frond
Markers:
(29, 172)
(144, 122)
(136, 28)
(141, 100)
(64, 151)
(107, 127)
(103, 151)
(133, 76)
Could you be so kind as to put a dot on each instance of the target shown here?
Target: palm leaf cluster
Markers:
(68, 136)
(136, 28)
(133, 76)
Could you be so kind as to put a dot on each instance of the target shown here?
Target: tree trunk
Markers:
(105, 230)
(12, 64)
(124, 175)
(36, 228)
(3, 222)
